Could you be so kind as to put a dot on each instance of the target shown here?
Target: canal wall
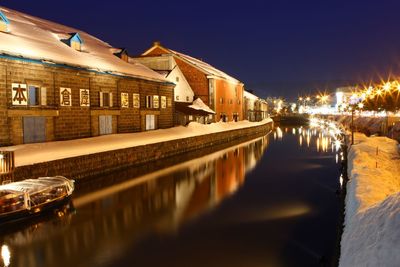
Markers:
(104, 162)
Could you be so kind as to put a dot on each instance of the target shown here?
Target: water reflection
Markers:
(108, 221)
(322, 137)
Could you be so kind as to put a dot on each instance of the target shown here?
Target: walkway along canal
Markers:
(268, 202)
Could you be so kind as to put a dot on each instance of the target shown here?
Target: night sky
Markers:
(277, 48)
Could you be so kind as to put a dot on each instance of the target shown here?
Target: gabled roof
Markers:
(4, 18)
(119, 52)
(41, 41)
(75, 37)
(204, 67)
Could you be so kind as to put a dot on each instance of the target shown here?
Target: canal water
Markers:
(272, 201)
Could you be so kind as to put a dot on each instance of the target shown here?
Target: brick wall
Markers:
(94, 164)
(63, 123)
(232, 95)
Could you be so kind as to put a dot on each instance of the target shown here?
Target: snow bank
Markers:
(371, 235)
(41, 152)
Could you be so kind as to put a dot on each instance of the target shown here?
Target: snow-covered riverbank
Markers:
(42, 152)
(371, 235)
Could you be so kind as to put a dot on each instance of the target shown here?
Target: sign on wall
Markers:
(156, 101)
(84, 97)
(124, 100)
(136, 100)
(163, 102)
(19, 94)
(65, 97)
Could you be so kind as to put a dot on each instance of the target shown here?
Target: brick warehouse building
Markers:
(221, 92)
(58, 83)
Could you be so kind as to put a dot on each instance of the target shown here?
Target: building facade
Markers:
(254, 108)
(72, 86)
(221, 92)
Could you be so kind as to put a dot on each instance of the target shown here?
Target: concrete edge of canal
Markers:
(81, 167)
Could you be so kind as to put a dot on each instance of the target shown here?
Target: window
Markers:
(106, 99)
(187, 98)
(230, 101)
(177, 79)
(177, 98)
(136, 101)
(124, 100)
(221, 100)
(149, 101)
(33, 96)
(156, 101)
(169, 102)
(163, 102)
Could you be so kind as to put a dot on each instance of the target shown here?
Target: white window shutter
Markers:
(101, 99)
(111, 99)
(43, 96)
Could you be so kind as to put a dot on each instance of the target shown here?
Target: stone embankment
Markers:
(79, 167)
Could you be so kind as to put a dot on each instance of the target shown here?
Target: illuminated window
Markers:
(221, 100)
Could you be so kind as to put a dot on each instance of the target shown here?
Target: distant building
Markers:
(254, 108)
(221, 92)
(183, 94)
(59, 83)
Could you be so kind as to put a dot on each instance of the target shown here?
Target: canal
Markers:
(272, 201)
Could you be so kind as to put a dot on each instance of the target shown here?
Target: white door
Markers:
(150, 122)
(105, 124)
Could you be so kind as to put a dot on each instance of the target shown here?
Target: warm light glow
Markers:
(379, 92)
(386, 86)
(5, 255)
(360, 105)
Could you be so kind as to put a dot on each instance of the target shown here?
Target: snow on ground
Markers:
(371, 235)
(41, 152)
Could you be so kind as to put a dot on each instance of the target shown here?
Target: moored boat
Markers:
(20, 200)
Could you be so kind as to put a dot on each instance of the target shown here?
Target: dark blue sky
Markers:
(274, 47)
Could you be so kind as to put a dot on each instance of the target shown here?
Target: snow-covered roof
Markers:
(38, 39)
(201, 65)
(250, 95)
(198, 104)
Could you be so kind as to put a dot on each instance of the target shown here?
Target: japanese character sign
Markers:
(124, 100)
(84, 97)
(19, 94)
(65, 97)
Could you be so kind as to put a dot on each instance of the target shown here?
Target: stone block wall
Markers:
(76, 121)
(104, 162)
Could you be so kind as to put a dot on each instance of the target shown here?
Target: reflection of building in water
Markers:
(113, 219)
